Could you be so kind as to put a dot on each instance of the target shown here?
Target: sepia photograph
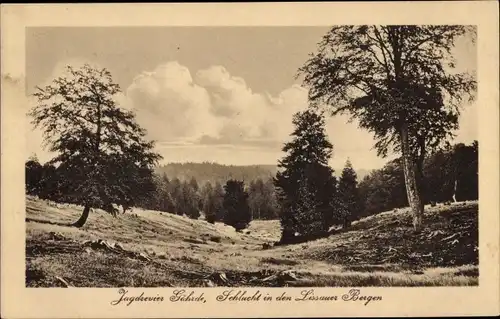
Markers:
(250, 160)
(308, 156)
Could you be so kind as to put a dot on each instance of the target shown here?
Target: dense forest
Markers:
(450, 174)
(214, 172)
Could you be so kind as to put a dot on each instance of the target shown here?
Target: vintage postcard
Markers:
(250, 160)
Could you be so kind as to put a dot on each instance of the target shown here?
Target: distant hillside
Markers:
(213, 172)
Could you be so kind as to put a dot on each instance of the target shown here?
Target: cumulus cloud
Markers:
(208, 107)
(213, 108)
(170, 105)
(192, 111)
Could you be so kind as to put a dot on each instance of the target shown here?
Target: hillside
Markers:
(153, 249)
(213, 172)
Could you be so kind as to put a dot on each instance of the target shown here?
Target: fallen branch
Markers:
(64, 282)
(450, 237)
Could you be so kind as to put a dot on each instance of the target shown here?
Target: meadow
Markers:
(144, 248)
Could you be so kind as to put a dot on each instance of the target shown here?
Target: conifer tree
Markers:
(305, 179)
(348, 194)
(218, 198)
(177, 198)
(236, 209)
(208, 200)
(190, 203)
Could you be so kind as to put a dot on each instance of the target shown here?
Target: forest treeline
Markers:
(449, 172)
(166, 194)
(215, 172)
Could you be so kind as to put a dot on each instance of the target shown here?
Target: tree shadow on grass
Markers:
(43, 221)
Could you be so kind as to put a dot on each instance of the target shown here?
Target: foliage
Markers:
(453, 171)
(348, 193)
(218, 196)
(372, 72)
(262, 199)
(33, 176)
(214, 172)
(397, 81)
(384, 189)
(100, 147)
(163, 200)
(189, 201)
(305, 183)
(208, 202)
(236, 209)
(212, 198)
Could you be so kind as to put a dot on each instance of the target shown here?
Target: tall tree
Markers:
(262, 199)
(305, 174)
(270, 209)
(465, 162)
(193, 183)
(440, 175)
(218, 198)
(398, 81)
(190, 203)
(384, 189)
(49, 184)
(208, 200)
(92, 137)
(256, 198)
(237, 212)
(164, 198)
(176, 195)
(33, 175)
(348, 193)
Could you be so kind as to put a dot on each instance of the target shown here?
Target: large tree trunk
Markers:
(412, 189)
(80, 222)
(421, 182)
(420, 172)
(455, 191)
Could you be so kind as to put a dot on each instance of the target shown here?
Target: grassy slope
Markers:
(377, 251)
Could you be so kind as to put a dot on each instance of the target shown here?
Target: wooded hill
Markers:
(213, 172)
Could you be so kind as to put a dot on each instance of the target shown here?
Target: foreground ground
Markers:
(153, 249)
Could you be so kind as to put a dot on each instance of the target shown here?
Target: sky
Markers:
(217, 94)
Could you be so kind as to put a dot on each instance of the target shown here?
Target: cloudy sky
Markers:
(210, 94)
